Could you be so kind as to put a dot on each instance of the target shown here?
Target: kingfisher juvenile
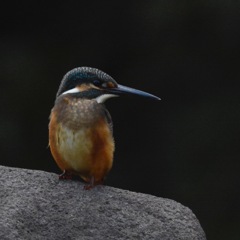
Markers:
(80, 128)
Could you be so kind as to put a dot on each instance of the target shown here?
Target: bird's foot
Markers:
(88, 187)
(92, 184)
(65, 175)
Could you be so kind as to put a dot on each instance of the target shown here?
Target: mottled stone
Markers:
(37, 205)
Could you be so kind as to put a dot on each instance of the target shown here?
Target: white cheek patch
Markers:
(104, 97)
(73, 90)
(99, 99)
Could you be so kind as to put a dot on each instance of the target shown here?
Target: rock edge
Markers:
(36, 205)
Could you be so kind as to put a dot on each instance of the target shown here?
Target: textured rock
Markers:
(36, 205)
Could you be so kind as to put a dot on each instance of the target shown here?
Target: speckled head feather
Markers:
(82, 75)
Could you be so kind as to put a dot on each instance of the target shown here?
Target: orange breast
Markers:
(86, 151)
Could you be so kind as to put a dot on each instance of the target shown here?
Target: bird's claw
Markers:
(65, 175)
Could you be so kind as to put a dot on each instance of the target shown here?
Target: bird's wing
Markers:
(109, 119)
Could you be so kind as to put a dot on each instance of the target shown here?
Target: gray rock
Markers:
(37, 205)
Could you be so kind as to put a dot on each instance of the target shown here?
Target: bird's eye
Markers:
(97, 83)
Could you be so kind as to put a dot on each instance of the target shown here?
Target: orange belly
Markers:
(87, 152)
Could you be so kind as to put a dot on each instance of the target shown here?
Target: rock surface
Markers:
(36, 205)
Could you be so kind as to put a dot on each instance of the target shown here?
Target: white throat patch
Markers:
(104, 97)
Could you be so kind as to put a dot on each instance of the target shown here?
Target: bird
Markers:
(80, 127)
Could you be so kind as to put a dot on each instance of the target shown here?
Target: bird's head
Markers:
(91, 83)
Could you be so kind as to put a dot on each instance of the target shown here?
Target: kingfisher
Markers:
(80, 129)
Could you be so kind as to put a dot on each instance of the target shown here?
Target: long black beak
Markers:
(120, 89)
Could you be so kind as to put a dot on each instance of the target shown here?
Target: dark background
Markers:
(185, 147)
